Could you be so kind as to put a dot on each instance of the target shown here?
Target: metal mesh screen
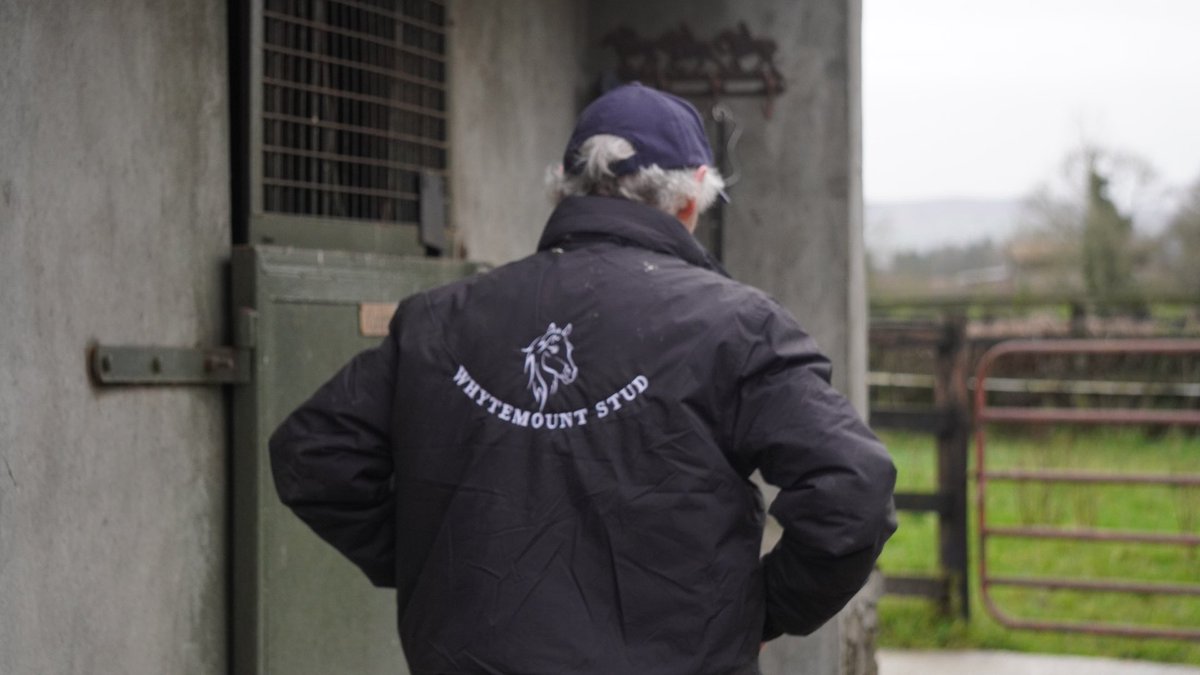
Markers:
(353, 107)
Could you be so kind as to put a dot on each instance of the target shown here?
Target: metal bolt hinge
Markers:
(125, 364)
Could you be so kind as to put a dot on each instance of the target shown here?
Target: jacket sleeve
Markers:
(835, 478)
(332, 463)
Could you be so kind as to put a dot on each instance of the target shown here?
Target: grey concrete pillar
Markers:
(794, 228)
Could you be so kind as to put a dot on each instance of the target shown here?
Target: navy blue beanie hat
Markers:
(662, 128)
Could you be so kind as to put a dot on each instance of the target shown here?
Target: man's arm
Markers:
(835, 479)
(332, 462)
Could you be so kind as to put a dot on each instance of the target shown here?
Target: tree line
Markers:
(1077, 236)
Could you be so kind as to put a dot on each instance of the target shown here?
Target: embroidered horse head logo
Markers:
(548, 363)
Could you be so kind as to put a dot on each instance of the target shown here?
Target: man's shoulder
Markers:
(721, 297)
(727, 294)
(453, 294)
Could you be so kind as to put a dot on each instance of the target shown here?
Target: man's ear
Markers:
(688, 215)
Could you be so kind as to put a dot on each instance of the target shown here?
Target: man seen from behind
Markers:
(550, 462)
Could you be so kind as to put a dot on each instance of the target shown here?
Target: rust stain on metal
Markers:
(1086, 585)
(1089, 534)
(1064, 476)
(1124, 416)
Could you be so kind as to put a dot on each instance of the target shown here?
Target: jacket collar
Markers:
(590, 218)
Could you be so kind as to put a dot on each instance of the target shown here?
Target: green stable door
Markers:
(298, 607)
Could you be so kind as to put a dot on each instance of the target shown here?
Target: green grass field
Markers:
(909, 622)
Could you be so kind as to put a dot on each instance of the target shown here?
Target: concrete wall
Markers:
(794, 227)
(516, 84)
(114, 217)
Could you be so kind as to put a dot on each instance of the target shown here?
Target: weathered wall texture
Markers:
(114, 215)
(794, 226)
(516, 86)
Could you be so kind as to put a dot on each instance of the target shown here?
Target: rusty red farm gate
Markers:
(989, 530)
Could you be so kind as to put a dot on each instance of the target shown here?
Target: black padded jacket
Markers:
(551, 462)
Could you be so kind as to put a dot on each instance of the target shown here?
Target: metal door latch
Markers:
(126, 364)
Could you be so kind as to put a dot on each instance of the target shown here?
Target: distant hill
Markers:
(892, 227)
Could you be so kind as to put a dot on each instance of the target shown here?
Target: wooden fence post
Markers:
(950, 397)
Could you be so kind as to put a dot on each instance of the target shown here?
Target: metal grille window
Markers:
(353, 107)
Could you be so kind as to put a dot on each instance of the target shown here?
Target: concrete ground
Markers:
(897, 662)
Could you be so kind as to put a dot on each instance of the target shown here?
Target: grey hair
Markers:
(665, 189)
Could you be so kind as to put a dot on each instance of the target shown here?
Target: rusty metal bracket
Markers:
(143, 365)
(734, 63)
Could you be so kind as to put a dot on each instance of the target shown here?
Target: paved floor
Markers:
(896, 662)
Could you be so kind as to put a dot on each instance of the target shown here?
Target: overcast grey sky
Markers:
(984, 98)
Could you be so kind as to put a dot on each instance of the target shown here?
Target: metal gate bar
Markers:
(1093, 416)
